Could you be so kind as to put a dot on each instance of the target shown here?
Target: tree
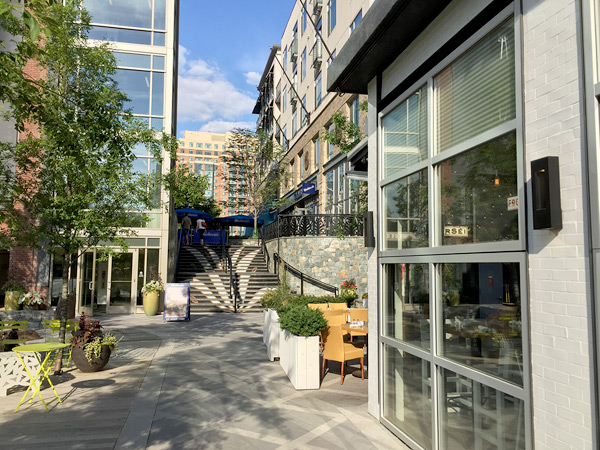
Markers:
(253, 171)
(187, 188)
(68, 184)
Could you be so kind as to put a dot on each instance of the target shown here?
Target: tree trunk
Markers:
(64, 310)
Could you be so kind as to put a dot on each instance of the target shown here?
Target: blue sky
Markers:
(223, 49)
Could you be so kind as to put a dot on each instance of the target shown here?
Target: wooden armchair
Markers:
(335, 349)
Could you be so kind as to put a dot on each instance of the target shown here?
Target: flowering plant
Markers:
(154, 285)
(349, 284)
(31, 298)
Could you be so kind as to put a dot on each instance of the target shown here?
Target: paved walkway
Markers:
(204, 384)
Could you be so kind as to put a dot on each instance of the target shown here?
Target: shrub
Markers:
(278, 297)
(13, 286)
(301, 321)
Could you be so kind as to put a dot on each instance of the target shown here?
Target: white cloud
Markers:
(206, 95)
(222, 126)
(252, 78)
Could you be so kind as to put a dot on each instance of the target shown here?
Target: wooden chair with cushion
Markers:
(358, 314)
(321, 306)
(335, 317)
(335, 349)
(338, 306)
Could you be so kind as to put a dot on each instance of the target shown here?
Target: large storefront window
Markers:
(454, 335)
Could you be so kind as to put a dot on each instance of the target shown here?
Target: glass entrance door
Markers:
(121, 290)
(108, 286)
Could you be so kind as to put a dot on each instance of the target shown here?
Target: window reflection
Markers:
(479, 417)
(407, 303)
(406, 210)
(482, 318)
(120, 35)
(136, 85)
(407, 402)
(128, 13)
(478, 192)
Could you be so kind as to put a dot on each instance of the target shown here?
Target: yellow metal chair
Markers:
(53, 326)
(335, 349)
(321, 306)
(338, 306)
(13, 325)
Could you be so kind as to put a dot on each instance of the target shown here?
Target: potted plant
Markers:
(299, 344)
(12, 292)
(151, 291)
(32, 300)
(90, 346)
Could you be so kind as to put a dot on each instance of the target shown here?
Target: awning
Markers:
(193, 214)
(239, 221)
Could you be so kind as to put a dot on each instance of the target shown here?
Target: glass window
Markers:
(477, 91)
(302, 112)
(331, 15)
(158, 89)
(354, 112)
(406, 212)
(405, 134)
(356, 21)
(482, 318)
(476, 416)
(140, 149)
(198, 145)
(158, 62)
(407, 399)
(140, 165)
(317, 150)
(128, 13)
(303, 74)
(136, 84)
(207, 153)
(284, 103)
(120, 35)
(407, 304)
(208, 146)
(160, 14)
(476, 191)
(158, 39)
(157, 124)
(330, 191)
(132, 60)
(318, 90)
(294, 121)
(301, 166)
(330, 146)
(285, 58)
(304, 16)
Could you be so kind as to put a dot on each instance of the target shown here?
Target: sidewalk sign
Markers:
(177, 302)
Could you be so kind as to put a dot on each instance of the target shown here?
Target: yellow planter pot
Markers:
(11, 300)
(151, 303)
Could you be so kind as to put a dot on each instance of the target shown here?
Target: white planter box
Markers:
(271, 331)
(299, 358)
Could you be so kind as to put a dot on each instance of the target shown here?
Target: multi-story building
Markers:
(483, 142)
(143, 38)
(201, 153)
(295, 108)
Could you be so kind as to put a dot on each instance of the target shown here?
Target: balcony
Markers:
(317, 54)
(317, 7)
(294, 50)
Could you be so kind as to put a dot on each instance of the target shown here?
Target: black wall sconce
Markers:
(368, 229)
(545, 185)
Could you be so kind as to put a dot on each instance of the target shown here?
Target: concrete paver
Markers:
(206, 383)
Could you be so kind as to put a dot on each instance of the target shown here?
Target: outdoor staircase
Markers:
(209, 283)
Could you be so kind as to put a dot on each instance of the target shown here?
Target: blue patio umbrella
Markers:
(193, 214)
(239, 221)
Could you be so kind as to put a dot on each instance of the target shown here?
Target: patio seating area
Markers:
(199, 384)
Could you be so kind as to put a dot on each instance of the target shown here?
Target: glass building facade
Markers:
(143, 37)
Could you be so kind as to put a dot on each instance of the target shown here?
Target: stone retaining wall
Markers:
(329, 259)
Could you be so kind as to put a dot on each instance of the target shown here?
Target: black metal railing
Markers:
(314, 225)
(302, 276)
(263, 246)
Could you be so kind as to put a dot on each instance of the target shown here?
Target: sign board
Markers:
(512, 203)
(308, 188)
(213, 237)
(456, 231)
(177, 302)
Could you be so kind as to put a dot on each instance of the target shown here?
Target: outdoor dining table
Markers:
(50, 351)
(357, 330)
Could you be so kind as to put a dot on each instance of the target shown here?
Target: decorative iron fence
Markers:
(314, 225)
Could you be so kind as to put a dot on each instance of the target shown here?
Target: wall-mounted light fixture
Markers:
(545, 186)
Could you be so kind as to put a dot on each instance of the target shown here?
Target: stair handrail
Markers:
(303, 277)
(263, 246)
